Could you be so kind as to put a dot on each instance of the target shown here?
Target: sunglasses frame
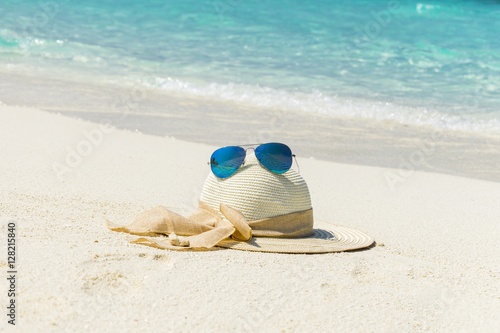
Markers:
(252, 146)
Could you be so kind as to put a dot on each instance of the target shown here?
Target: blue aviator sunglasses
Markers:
(276, 157)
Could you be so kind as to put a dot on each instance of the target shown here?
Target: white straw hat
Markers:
(261, 194)
(254, 210)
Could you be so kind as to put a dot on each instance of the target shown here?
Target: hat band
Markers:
(293, 225)
(206, 227)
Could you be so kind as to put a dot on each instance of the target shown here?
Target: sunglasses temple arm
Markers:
(295, 158)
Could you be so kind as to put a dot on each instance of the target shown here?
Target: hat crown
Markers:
(257, 192)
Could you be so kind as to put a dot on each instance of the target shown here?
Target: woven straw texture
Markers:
(326, 238)
(257, 192)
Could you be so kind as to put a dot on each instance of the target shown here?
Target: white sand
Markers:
(439, 268)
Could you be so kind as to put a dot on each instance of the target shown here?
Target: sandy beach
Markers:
(435, 266)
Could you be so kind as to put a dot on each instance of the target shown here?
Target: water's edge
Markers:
(364, 142)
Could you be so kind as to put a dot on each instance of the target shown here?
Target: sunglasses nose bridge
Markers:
(246, 149)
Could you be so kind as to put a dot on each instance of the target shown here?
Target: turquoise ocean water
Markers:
(423, 63)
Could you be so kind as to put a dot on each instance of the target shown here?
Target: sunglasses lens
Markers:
(276, 157)
(225, 161)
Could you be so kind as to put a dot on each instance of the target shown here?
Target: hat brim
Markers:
(327, 237)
